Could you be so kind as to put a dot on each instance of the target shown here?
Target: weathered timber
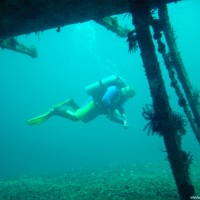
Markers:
(112, 24)
(19, 17)
(14, 45)
(179, 160)
(182, 101)
(180, 68)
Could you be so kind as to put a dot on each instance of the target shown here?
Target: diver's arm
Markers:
(117, 117)
(125, 121)
(123, 116)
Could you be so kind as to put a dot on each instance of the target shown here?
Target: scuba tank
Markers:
(97, 88)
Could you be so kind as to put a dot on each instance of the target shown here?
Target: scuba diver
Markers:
(107, 97)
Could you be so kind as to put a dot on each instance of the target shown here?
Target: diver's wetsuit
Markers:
(110, 101)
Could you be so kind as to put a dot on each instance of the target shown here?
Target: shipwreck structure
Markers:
(26, 16)
(14, 45)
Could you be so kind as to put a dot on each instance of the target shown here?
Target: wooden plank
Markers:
(19, 17)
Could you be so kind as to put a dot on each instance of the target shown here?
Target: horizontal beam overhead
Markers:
(19, 17)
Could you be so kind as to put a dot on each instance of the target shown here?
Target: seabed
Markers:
(125, 182)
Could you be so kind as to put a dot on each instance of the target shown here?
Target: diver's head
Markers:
(128, 92)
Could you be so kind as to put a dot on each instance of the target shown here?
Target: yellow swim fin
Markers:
(41, 118)
(44, 117)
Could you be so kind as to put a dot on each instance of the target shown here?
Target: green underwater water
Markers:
(125, 182)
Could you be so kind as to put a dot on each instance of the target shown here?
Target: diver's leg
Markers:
(68, 102)
(55, 111)
(66, 114)
(84, 111)
(63, 103)
(79, 114)
(74, 105)
(52, 112)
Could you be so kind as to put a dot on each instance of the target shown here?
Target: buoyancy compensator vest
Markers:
(98, 88)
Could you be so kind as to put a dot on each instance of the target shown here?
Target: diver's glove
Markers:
(125, 123)
(121, 119)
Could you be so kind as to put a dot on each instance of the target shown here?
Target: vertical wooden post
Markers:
(178, 159)
(180, 68)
